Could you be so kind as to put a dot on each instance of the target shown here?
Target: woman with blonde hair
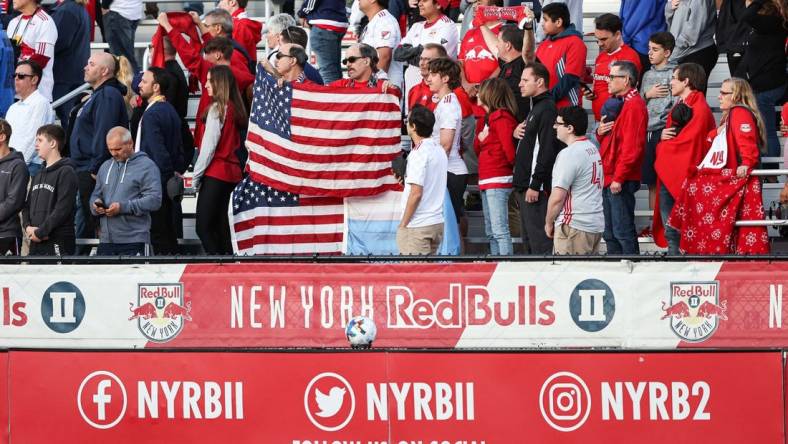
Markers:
(722, 191)
(495, 147)
(218, 168)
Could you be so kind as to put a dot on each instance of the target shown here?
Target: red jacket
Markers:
(225, 165)
(741, 137)
(622, 148)
(199, 67)
(496, 153)
(247, 32)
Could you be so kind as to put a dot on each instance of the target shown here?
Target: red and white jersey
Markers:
(36, 35)
(442, 31)
(383, 32)
(602, 74)
(478, 61)
(448, 115)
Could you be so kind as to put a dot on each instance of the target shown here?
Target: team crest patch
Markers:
(694, 310)
(160, 311)
(385, 34)
(745, 128)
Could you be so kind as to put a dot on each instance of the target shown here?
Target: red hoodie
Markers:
(496, 153)
(199, 67)
(622, 148)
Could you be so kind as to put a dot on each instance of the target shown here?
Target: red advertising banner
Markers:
(402, 398)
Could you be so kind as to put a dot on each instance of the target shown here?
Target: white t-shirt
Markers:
(38, 35)
(448, 115)
(383, 32)
(129, 9)
(25, 117)
(426, 167)
(578, 170)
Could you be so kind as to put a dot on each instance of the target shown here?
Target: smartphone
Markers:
(99, 204)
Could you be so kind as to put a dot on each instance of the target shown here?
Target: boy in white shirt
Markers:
(421, 228)
(443, 78)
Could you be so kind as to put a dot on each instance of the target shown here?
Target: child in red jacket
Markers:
(495, 147)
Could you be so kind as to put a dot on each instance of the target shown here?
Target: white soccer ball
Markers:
(360, 332)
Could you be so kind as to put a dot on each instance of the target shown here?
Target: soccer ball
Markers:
(360, 332)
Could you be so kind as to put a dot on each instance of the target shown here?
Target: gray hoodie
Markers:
(136, 185)
(693, 25)
(13, 190)
(658, 108)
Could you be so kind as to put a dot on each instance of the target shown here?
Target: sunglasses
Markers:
(21, 76)
(616, 76)
(281, 55)
(351, 59)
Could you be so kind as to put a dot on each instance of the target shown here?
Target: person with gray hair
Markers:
(622, 145)
(362, 67)
(274, 27)
(127, 190)
(219, 23)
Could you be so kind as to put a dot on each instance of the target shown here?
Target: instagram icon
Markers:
(565, 401)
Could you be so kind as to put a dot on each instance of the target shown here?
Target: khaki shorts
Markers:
(568, 240)
(421, 240)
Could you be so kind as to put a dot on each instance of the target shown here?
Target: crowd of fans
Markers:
(494, 102)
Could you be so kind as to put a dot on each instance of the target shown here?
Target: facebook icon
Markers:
(102, 399)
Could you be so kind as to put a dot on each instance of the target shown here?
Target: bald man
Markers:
(127, 192)
(104, 110)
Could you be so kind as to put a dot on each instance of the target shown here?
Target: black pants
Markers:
(64, 246)
(213, 225)
(163, 233)
(130, 249)
(86, 185)
(10, 246)
(532, 221)
(706, 57)
(456, 184)
(733, 61)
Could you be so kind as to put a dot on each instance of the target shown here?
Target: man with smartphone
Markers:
(128, 189)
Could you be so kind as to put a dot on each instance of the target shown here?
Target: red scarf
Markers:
(181, 22)
(486, 14)
(707, 210)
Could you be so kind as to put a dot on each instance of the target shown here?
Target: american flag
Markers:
(323, 141)
(270, 221)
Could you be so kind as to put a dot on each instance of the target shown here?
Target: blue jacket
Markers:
(641, 19)
(104, 110)
(7, 90)
(134, 184)
(332, 10)
(160, 138)
(72, 49)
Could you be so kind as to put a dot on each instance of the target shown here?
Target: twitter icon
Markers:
(329, 404)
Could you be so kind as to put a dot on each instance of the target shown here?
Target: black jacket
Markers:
(51, 201)
(539, 137)
(763, 64)
(732, 31)
(13, 187)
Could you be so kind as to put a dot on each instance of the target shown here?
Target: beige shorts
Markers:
(421, 240)
(568, 240)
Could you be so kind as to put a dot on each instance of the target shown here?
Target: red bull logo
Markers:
(160, 311)
(694, 310)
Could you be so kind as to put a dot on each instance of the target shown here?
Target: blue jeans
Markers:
(327, 46)
(120, 36)
(673, 236)
(620, 235)
(766, 103)
(495, 204)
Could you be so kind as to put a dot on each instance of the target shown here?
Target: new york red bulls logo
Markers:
(160, 311)
(694, 310)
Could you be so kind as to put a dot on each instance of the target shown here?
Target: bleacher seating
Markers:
(476, 242)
